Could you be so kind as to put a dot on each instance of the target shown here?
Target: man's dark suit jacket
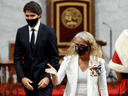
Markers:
(45, 51)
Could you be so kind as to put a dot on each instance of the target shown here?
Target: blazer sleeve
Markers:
(53, 50)
(102, 81)
(18, 57)
(62, 70)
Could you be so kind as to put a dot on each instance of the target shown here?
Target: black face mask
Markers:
(32, 22)
(81, 49)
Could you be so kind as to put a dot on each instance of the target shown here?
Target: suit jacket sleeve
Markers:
(53, 50)
(18, 57)
(103, 81)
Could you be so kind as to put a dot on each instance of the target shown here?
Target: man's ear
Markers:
(39, 16)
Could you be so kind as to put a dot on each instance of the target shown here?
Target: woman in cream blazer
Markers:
(86, 56)
(93, 82)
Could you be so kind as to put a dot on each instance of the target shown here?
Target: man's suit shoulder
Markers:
(47, 28)
(23, 27)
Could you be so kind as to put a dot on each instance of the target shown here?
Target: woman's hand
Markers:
(51, 70)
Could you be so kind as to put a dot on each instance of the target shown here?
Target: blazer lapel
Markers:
(74, 66)
(91, 81)
(74, 69)
(88, 82)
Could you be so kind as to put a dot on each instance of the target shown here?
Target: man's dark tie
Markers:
(32, 40)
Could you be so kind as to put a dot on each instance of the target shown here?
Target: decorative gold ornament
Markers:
(71, 17)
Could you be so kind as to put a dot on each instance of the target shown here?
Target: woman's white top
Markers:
(81, 89)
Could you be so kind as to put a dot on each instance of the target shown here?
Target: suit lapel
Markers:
(27, 38)
(39, 36)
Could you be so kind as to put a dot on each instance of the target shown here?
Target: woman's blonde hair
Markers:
(89, 39)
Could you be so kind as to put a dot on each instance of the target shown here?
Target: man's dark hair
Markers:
(33, 7)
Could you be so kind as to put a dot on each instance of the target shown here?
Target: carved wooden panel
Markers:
(69, 17)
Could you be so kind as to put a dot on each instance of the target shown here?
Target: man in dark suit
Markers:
(36, 43)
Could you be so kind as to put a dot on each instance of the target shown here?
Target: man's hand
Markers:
(26, 82)
(43, 83)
